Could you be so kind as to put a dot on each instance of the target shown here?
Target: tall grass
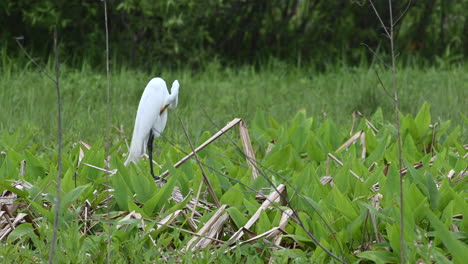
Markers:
(27, 98)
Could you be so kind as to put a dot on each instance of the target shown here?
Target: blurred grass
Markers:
(28, 102)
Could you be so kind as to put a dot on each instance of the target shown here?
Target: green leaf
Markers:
(263, 223)
(391, 188)
(278, 158)
(410, 152)
(233, 197)
(20, 231)
(423, 120)
(157, 201)
(45, 213)
(426, 184)
(121, 191)
(379, 256)
(379, 151)
(377, 117)
(408, 127)
(68, 181)
(237, 216)
(343, 204)
(72, 196)
(35, 167)
(458, 249)
(299, 130)
(6, 185)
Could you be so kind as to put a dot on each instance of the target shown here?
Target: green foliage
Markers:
(150, 33)
(337, 213)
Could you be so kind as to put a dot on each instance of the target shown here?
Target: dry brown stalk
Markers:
(368, 123)
(223, 130)
(350, 141)
(111, 172)
(270, 199)
(376, 204)
(248, 150)
(268, 234)
(23, 168)
(341, 164)
(169, 219)
(210, 229)
(363, 145)
(131, 215)
(282, 226)
(196, 200)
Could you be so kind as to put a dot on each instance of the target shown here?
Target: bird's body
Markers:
(151, 117)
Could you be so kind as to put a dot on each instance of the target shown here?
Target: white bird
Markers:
(151, 118)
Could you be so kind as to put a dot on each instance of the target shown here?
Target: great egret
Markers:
(151, 118)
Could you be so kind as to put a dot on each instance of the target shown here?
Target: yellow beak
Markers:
(163, 109)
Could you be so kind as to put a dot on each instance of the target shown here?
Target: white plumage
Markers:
(151, 115)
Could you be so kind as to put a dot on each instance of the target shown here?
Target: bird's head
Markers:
(174, 97)
(175, 87)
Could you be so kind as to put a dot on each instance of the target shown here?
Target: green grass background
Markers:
(28, 98)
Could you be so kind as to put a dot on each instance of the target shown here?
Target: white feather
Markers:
(149, 117)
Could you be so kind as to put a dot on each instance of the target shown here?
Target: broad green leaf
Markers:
(237, 216)
(410, 152)
(34, 166)
(299, 130)
(377, 117)
(393, 234)
(423, 120)
(68, 181)
(20, 231)
(72, 196)
(315, 150)
(379, 151)
(415, 203)
(121, 191)
(380, 257)
(259, 121)
(330, 136)
(391, 189)
(408, 127)
(233, 197)
(426, 184)
(263, 223)
(377, 213)
(343, 204)
(458, 249)
(39, 208)
(294, 254)
(157, 201)
(143, 185)
(279, 159)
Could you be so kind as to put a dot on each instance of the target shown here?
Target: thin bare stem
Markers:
(380, 19)
(402, 14)
(397, 121)
(376, 55)
(33, 61)
(205, 178)
(59, 158)
(108, 128)
(383, 86)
